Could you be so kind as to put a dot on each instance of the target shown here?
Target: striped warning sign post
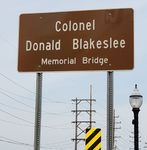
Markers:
(93, 139)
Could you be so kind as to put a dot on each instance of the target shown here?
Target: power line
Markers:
(16, 116)
(17, 94)
(23, 110)
(10, 141)
(30, 145)
(15, 83)
(16, 100)
(32, 126)
(18, 124)
(19, 85)
(15, 108)
(48, 113)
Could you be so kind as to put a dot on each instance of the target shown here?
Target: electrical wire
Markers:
(22, 87)
(15, 83)
(10, 141)
(14, 116)
(27, 98)
(24, 120)
(15, 123)
(17, 100)
(16, 108)
(14, 99)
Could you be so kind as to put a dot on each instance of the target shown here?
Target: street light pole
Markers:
(135, 123)
(136, 101)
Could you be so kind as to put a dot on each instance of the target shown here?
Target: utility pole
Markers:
(145, 147)
(132, 139)
(90, 107)
(82, 125)
(115, 147)
(115, 137)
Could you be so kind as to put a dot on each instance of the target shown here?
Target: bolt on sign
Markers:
(93, 139)
(76, 41)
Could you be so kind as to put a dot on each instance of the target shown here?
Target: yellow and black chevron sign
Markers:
(93, 139)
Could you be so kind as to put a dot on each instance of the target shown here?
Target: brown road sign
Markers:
(80, 40)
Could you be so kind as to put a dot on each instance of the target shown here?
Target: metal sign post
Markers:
(37, 129)
(110, 110)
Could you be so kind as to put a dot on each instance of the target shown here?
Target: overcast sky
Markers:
(17, 90)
